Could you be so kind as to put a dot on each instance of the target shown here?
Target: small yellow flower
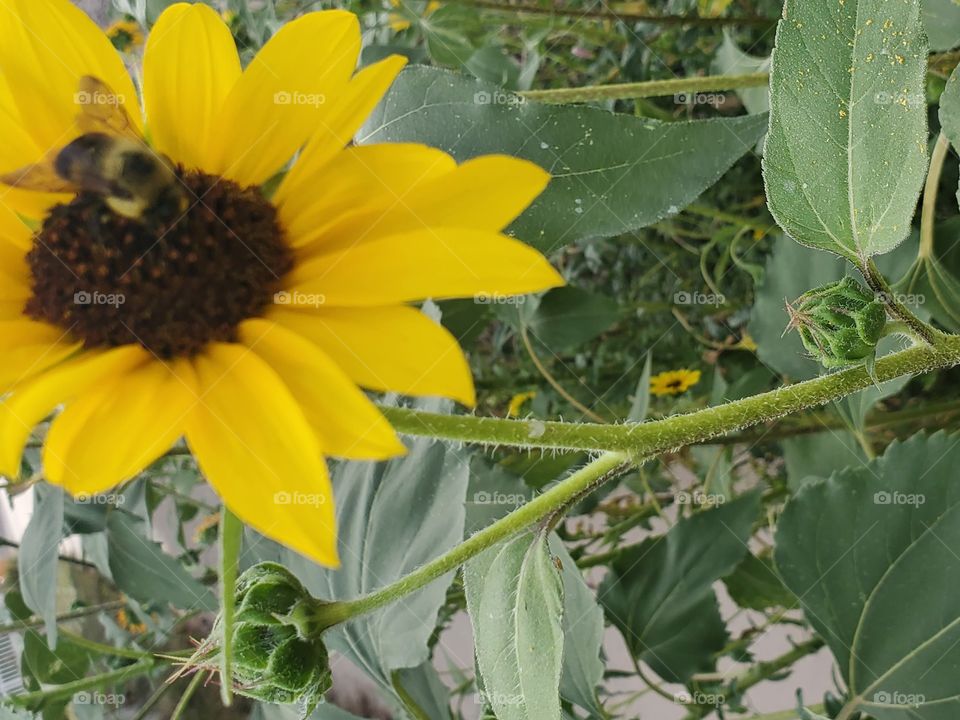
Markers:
(208, 522)
(747, 343)
(123, 620)
(243, 321)
(517, 402)
(674, 382)
(125, 35)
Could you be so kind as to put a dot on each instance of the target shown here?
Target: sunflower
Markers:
(125, 34)
(674, 382)
(247, 324)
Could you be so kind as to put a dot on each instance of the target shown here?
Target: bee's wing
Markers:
(102, 110)
(40, 177)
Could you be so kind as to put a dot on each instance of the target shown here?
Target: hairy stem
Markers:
(651, 88)
(626, 444)
(885, 293)
(603, 468)
(612, 14)
(677, 431)
(94, 682)
(64, 617)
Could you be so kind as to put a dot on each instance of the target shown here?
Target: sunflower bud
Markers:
(277, 651)
(840, 323)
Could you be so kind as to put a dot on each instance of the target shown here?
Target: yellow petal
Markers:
(32, 402)
(337, 123)
(437, 263)
(18, 150)
(47, 47)
(275, 105)
(255, 446)
(14, 273)
(396, 349)
(11, 310)
(347, 424)
(14, 231)
(114, 432)
(28, 348)
(190, 64)
(485, 193)
(360, 180)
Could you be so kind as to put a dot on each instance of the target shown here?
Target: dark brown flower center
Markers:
(171, 285)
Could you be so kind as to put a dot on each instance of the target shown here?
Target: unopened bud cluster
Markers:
(277, 652)
(840, 324)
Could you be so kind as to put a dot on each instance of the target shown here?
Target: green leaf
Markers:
(932, 279)
(818, 455)
(846, 154)
(515, 601)
(392, 518)
(568, 317)
(941, 20)
(424, 693)
(67, 663)
(640, 406)
(660, 593)
(39, 554)
(492, 64)
(871, 553)
(142, 570)
(611, 173)
(755, 585)
(731, 60)
(582, 628)
(444, 30)
(493, 492)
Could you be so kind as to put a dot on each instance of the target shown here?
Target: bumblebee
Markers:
(108, 158)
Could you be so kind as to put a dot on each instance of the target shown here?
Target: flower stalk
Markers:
(653, 438)
(595, 473)
(624, 445)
